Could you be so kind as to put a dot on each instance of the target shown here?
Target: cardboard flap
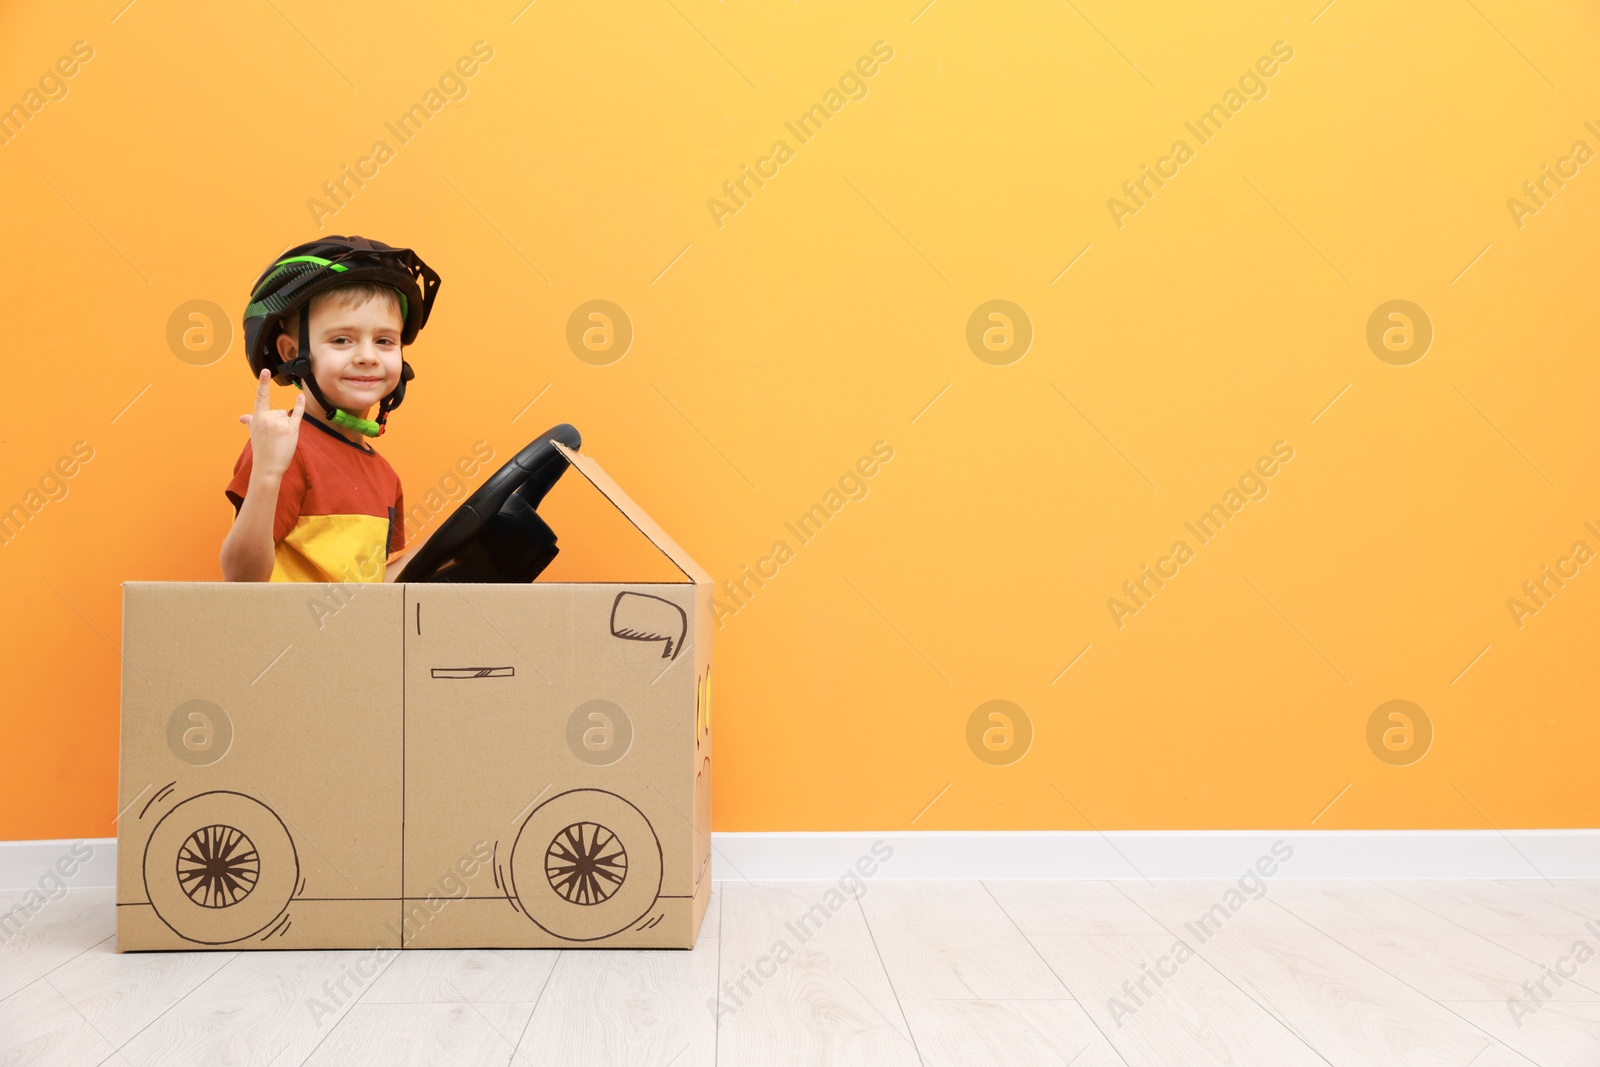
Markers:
(597, 477)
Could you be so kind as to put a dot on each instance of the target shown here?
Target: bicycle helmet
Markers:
(315, 267)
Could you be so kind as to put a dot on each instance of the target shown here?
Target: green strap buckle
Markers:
(341, 417)
(365, 426)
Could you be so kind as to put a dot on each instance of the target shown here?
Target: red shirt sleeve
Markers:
(397, 521)
(291, 491)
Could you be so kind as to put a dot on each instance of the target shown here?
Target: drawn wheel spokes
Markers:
(586, 863)
(218, 866)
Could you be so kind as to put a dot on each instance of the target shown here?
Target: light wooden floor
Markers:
(947, 974)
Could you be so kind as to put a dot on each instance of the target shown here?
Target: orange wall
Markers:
(776, 343)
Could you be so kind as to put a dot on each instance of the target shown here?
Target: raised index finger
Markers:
(264, 393)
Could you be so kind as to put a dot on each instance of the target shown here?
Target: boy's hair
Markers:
(346, 296)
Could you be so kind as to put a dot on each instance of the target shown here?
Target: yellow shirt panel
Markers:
(332, 548)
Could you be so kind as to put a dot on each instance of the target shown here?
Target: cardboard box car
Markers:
(421, 765)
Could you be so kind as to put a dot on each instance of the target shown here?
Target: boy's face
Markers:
(355, 352)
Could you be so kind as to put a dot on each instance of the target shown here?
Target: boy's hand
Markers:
(273, 434)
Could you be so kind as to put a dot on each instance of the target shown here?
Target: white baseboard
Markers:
(34, 864)
(1164, 854)
(1062, 854)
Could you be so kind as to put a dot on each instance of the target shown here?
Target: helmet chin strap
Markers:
(300, 369)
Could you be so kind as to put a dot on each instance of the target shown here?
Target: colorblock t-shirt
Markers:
(340, 515)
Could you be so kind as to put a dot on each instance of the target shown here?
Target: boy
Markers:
(318, 504)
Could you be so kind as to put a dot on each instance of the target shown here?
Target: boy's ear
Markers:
(286, 347)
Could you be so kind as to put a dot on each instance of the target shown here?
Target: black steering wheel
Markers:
(496, 535)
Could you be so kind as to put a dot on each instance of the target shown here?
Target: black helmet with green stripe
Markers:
(306, 270)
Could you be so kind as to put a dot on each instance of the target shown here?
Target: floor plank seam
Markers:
(163, 1012)
(1023, 934)
(516, 1046)
(349, 1008)
(1298, 1036)
(716, 990)
(911, 1034)
(57, 967)
(1384, 970)
(1486, 939)
(516, 1049)
(79, 1012)
(51, 971)
(1556, 903)
(1087, 1014)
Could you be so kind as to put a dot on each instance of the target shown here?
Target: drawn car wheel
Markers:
(586, 865)
(220, 867)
